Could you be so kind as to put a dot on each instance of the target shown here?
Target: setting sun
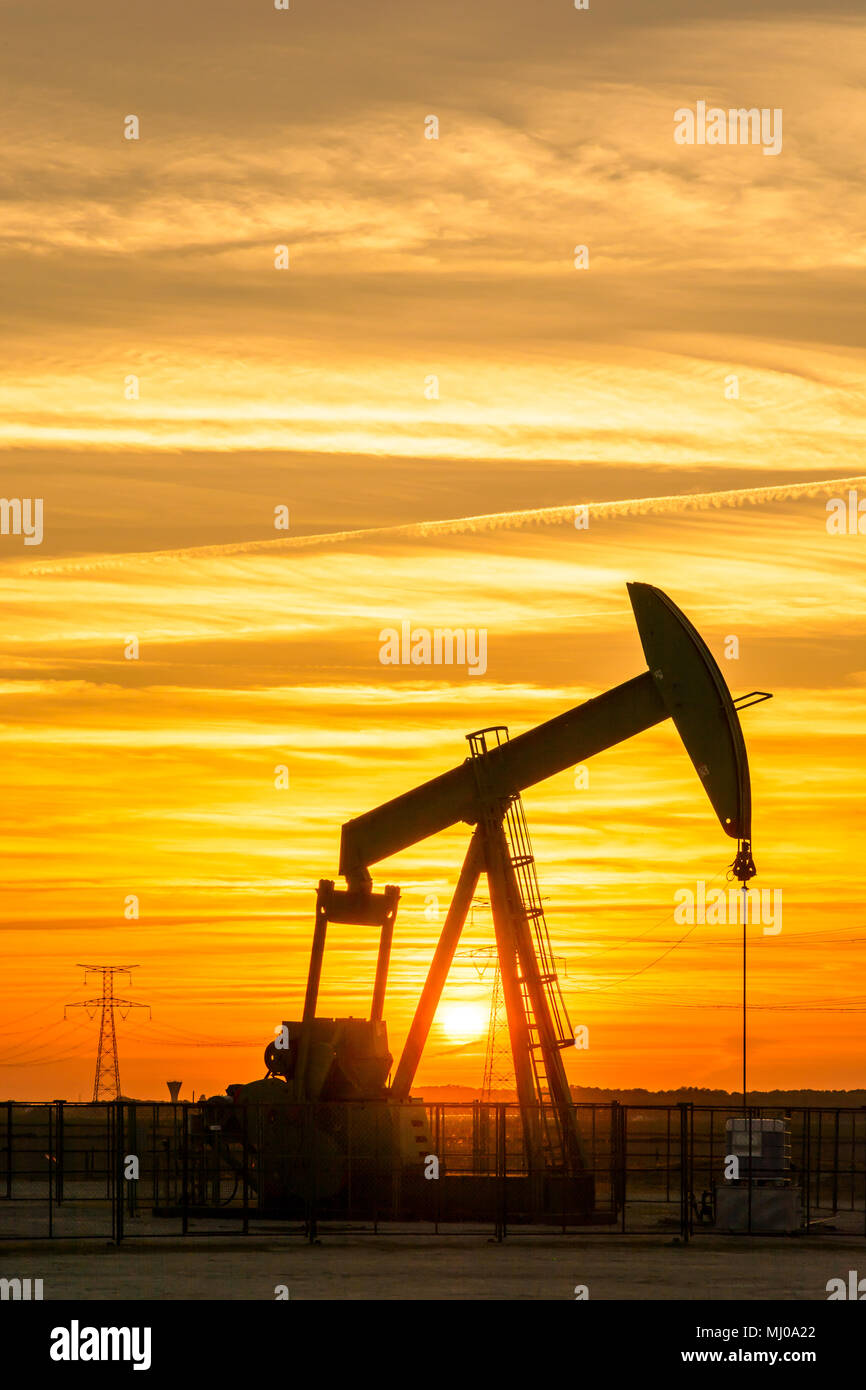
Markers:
(463, 1022)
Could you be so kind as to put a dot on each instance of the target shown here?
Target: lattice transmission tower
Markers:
(106, 1082)
(498, 1062)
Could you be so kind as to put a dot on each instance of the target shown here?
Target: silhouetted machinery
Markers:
(347, 1060)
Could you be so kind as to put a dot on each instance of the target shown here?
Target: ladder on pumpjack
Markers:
(528, 904)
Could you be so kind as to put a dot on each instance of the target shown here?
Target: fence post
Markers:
(49, 1157)
(808, 1165)
(184, 1160)
(818, 1164)
(615, 1157)
(438, 1188)
(310, 1108)
(9, 1151)
(835, 1195)
(58, 1155)
(668, 1155)
(245, 1174)
(350, 1191)
(622, 1115)
(154, 1158)
(501, 1226)
(685, 1173)
(119, 1170)
(711, 1163)
(106, 1109)
(132, 1183)
(693, 1161)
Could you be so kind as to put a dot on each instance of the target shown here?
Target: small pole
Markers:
(751, 1172)
(745, 1100)
(746, 1111)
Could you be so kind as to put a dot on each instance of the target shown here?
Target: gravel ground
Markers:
(461, 1267)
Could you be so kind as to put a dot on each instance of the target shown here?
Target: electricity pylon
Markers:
(498, 1064)
(107, 1078)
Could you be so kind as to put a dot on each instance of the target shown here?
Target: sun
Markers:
(464, 1021)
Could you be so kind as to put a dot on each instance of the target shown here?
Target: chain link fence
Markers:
(117, 1170)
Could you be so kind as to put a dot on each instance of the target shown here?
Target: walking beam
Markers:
(683, 683)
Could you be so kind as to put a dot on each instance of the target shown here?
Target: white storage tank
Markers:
(757, 1194)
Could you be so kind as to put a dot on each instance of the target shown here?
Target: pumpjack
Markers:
(347, 1060)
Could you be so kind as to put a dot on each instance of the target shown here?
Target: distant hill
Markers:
(458, 1094)
(698, 1095)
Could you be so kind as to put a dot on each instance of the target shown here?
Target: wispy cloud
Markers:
(673, 505)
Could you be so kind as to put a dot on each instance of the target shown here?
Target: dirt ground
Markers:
(449, 1267)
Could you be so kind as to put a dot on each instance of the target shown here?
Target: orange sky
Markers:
(412, 258)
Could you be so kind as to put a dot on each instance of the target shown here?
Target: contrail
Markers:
(474, 525)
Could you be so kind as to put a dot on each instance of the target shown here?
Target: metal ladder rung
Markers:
(549, 979)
